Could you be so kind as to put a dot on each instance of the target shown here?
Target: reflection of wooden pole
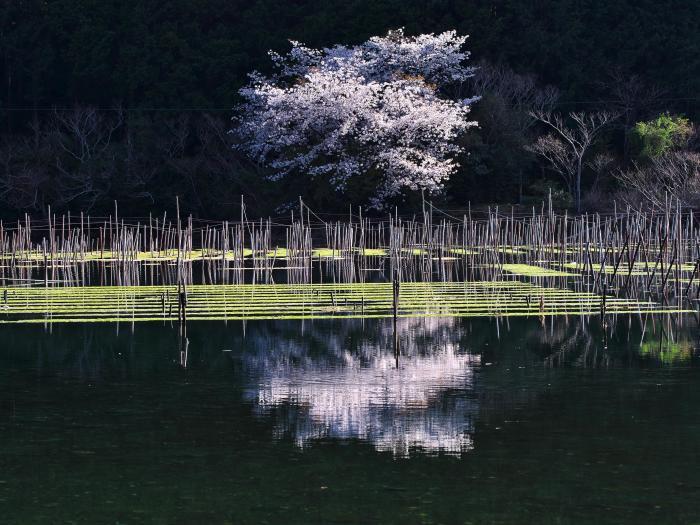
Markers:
(603, 301)
(184, 349)
(397, 349)
(182, 307)
(179, 303)
(605, 336)
(183, 303)
(395, 289)
(182, 323)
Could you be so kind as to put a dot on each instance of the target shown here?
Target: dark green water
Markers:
(319, 422)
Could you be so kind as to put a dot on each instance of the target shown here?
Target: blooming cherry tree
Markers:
(376, 108)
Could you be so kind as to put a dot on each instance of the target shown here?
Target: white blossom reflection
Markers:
(351, 386)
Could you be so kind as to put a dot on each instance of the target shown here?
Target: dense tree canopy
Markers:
(178, 53)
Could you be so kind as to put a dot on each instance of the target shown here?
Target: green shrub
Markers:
(661, 135)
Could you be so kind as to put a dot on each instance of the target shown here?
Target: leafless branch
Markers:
(577, 138)
(675, 174)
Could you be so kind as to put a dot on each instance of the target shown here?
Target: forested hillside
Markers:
(132, 100)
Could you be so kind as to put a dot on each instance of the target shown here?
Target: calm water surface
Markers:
(473, 421)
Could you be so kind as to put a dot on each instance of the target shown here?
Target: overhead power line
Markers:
(231, 109)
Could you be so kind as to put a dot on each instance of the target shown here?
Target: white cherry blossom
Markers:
(377, 108)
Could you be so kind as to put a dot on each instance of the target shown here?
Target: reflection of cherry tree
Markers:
(357, 389)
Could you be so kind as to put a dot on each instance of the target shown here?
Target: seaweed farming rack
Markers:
(75, 251)
(636, 259)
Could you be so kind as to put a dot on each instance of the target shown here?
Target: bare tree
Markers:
(561, 158)
(566, 148)
(507, 98)
(600, 164)
(21, 173)
(633, 99)
(198, 149)
(84, 158)
(73, 158)
(676, 174)
(520, 92)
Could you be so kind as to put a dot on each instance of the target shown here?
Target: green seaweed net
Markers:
(305, 301)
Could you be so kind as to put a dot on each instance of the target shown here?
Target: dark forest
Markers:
(105, 100)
